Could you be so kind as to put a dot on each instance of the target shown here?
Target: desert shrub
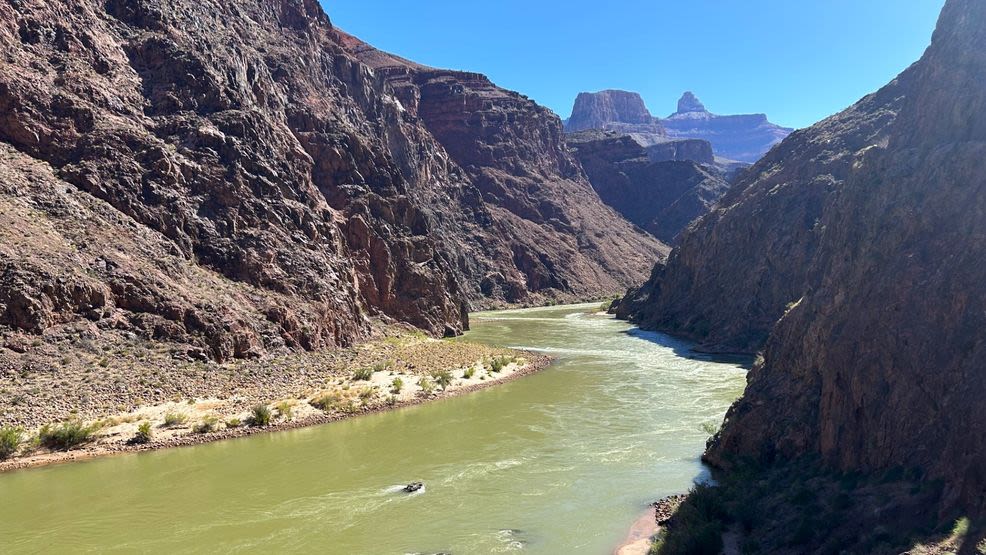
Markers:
(65, 436)
(327, 401)
(697, 526)
(208, 424)
(175, 419)
(234, 423)
(363, 374)
(260, 416)
(382, 366)
(443, 378)
(366, 395)
(10, 440)
(499, 363)
(468, 373)
(285, 409)
(427, 385)
(396, 386)
(143, 435)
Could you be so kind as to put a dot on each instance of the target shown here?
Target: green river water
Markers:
(560, 462)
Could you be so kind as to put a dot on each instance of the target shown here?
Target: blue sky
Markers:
(797, 60)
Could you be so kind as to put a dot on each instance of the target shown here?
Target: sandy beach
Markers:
(386, 374)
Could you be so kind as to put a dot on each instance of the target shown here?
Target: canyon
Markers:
(850, 257)
(245, 179)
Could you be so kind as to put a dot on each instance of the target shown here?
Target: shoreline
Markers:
(533, 363)
(641, 535)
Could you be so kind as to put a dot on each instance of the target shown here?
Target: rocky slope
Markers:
(661, 196)
(229, 176)
(865, 235)
(745, 138)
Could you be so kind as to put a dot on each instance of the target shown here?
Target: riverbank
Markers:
(211, 402)
(641, 536)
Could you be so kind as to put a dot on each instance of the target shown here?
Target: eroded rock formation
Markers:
(858, 245)
(660, 196)
(744, 138)
(228, 175)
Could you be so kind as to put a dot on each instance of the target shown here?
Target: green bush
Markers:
(443, 378)
(396, 386)
(696, 527)
(366, 395)
(10, 440)
(427, 385)
(382, 366)
(327, 401)
(363, 374)
(175, 419)
(260, 416)
(208, 424)
(233, 423)
(143, 435)
(468, 373)
(499, 363)
(65, 436)
(284, 410)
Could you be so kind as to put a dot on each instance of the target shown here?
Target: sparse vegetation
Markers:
(327, 401)
(427, 385)
(363, 374)
(66, 435)
(234, 423)
(499, 363)
(443, 378)
(143, 435)
(208, 424)
(468, 373)
(260, 416)
(285, 410)
(10, 440)
(382, 366)
(175, 419)
(366, 395)
(396, 386)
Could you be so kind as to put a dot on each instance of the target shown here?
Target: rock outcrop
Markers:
(744, 138)
(662, 196)
(612, 110)
(865, 236)
(230, 176)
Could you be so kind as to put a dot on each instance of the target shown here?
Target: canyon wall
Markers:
(854, 252)
(230, 176)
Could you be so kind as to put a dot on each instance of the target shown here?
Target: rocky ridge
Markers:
(231, 177)
(662, 196)
(856, 248)
(744, 138)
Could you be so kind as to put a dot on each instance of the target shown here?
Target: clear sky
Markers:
(796, 60)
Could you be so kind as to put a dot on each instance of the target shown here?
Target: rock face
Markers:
(662, 197)
(544, 227)
(612, 110)
(229, 175)
(865, 235)
(745, 138)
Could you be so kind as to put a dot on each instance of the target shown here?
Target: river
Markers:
(560, 462)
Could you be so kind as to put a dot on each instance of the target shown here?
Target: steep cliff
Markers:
(864, 235)
(227, 175)
(612, 110)
(662, 196)
(543, 229)
(745, 138)
(735, 272)
(880, 362)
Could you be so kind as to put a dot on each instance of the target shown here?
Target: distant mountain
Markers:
(734, 138)
(745, 138)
